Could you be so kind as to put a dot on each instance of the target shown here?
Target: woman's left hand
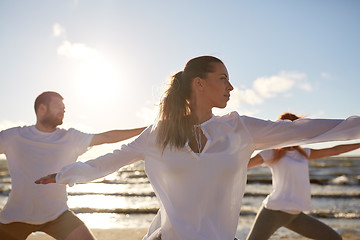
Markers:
(51, 178)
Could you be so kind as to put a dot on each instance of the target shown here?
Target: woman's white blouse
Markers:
(200, 194)
(290, 180)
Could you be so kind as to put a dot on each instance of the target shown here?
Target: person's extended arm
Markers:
(327, 152)
(269, 134)
(51, 178)
(115, 136)
(255, 161)
(82, 172)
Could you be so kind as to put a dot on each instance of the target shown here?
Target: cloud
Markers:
(76, 50)
(305, 86)
(325, 75)
(267, 87)
(148, 114)
(58, 30)
(5, 124)
(272, 86)
(245, 96)
(235, 105)
(72, 50)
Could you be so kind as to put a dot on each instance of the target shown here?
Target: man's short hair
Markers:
(45, 98)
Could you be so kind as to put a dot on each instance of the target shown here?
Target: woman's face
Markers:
(217, 87)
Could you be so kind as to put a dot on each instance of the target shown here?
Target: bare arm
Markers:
(115, 136)
(255, 161)
(327, 152)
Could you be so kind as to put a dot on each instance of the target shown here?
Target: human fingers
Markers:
(51, 178)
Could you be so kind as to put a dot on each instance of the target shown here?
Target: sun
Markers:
(98, 79)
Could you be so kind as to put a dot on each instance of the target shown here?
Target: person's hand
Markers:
(51, 178)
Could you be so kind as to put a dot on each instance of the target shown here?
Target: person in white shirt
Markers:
(32, 151)
(196, 161)
(291, 194)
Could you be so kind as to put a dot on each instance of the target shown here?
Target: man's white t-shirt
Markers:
(32, 154)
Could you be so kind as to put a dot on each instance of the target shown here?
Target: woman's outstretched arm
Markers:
(269, 134)
(51, 178)
(255, 161)
(82, 172)
(333, 151)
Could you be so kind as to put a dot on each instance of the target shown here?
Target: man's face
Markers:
(54, 113)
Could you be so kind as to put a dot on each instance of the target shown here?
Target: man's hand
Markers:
(48, 179)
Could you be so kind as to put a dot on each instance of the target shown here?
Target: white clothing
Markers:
(291, 182)
(32, 154)
(200, 194)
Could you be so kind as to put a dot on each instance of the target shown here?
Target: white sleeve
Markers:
(81, 172)
(6, 138)
(267, 155)
(269, 134)
(2, 142)
(307, 151)
(80, 141)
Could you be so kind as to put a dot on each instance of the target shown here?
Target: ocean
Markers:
(125, 199)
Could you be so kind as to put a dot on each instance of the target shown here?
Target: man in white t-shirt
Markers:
(34, 151)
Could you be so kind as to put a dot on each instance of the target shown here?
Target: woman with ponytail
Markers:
(195, 160)
(291, 194)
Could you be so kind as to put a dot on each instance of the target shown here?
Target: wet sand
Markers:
(138, 233)
(104, 234)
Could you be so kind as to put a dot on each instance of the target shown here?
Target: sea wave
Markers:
(334, 186)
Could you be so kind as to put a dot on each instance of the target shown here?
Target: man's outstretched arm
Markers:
(115, 136)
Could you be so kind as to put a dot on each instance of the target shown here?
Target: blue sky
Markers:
(111, 59)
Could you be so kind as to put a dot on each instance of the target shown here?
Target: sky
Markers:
(111, 60)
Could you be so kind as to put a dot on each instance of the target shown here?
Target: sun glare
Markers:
(98, 80)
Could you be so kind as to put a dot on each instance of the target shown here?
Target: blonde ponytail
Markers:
(174, 121)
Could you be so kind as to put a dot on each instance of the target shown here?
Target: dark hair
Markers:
(175, 125)
(289, 116)
(45, 98)
(279, 153)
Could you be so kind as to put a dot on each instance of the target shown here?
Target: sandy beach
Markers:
(138, 233)
(106, 234)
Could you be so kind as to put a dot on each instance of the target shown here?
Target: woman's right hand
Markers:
(51, 178)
